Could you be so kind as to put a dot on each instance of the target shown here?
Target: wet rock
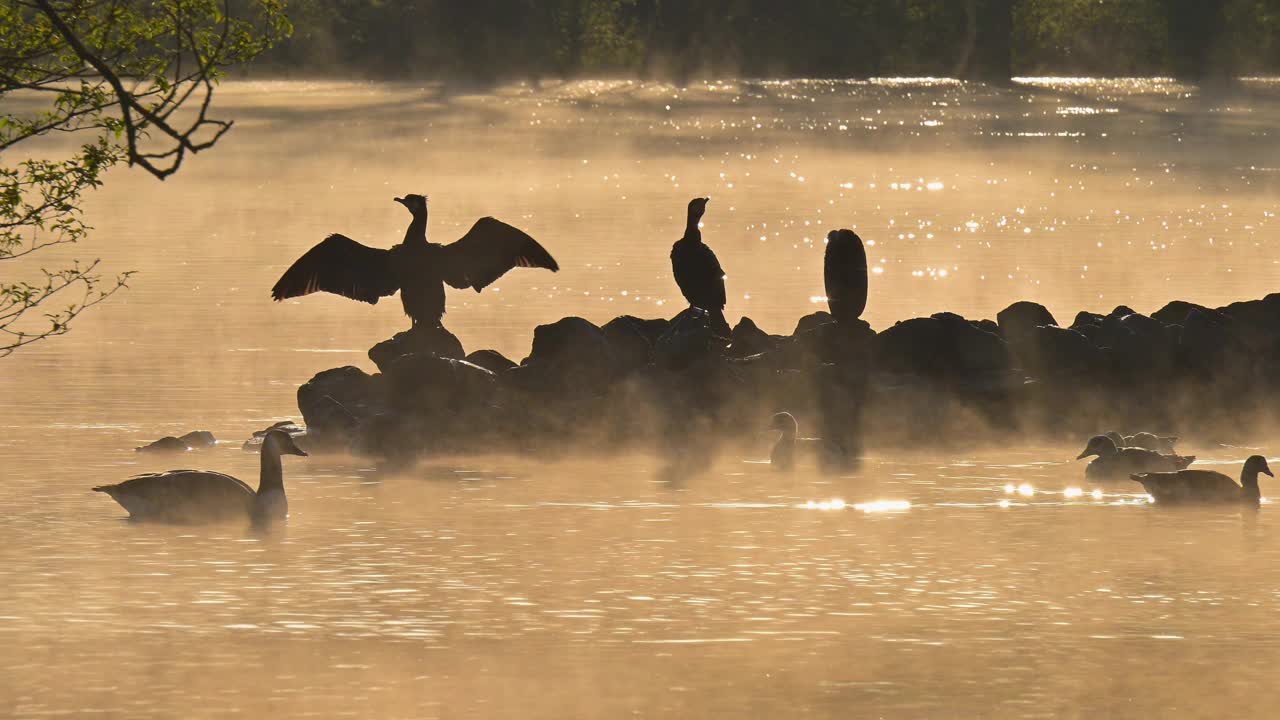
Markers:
(491, 360)
(813, 320)
(1121, 311)
(629, 339)
(1175, 313)
(1051, 352)
(296, 431)
(195, 440)
(425, 385)
(1020, 318)
(334, 401)
(198, 439)
(571, 355)
(168, 444)
(848, 343)
(944, 345)
(748, 339)
(421, 339)
(1087, 319)
(693, 337)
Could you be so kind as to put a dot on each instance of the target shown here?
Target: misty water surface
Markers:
(509, 587)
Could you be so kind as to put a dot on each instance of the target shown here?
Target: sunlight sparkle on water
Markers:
(1073, 492)
(879, 506)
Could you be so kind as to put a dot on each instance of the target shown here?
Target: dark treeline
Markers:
(496, 40)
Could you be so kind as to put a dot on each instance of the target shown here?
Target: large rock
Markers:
(1175, 313)
(422, 339)
(813, 320)
(831, 342)
(629, 337)
(942, 346)
(491, 360)
(1051, 352)
(748, 339)
(692, 337)
(426, 385)
(569, 354)
(335, 401)
(1020, 318)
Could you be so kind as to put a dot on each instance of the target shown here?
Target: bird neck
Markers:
(417, 232)
(1249, 481)
(272, 476)
(691, 231)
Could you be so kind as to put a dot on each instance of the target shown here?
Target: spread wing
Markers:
(341, 266)
(488, 250)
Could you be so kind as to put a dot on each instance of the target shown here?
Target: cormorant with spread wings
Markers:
(415, 267)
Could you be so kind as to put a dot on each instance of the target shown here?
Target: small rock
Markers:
(1020, 318)
(491, 360)
(421, 339)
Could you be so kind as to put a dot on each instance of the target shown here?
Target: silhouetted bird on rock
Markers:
(416, 268)
(697, 271)
(845, 275)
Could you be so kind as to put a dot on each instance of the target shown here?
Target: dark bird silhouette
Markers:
(415, 267)
(1117, 463)
(193, 496)
(1205, 486)
(845, 275)
(697, 271)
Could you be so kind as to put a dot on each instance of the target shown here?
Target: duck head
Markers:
(417, 204)
(279, 442)
(1099, 445)
(784, 422)
(1257, 464)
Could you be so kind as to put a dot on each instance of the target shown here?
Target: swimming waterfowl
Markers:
(844, 272)
(783, 455)
(193, 496)
(1115, 463)
(1205, 486)
(1150, 441)
(416, 268)
(697, 270)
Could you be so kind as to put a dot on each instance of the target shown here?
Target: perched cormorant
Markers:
(191, 496)
(1115, 463)
(697, 271)
(1205, 486)
(845, 275)
(415, 267)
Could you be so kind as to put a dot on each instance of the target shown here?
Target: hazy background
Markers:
(997, 585)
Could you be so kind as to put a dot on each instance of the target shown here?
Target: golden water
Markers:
(501, 587)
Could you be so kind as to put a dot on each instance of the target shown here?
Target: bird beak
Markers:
(1083, 455)
(400, 200)
(1267, 470)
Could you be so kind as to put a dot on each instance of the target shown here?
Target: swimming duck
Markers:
(192, 496)
(783, 455)
(1205, 486)
(1115, 463)
(416, 268)
(1150, 441)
